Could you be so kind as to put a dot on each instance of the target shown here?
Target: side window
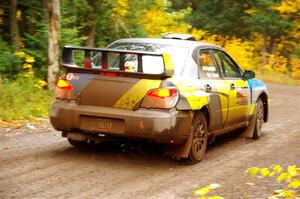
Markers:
(227, 66)
(207, 65)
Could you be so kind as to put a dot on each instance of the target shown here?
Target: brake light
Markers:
(161, 98)
(162, 92)
(108, 74)
(63, 84)
(64, 90)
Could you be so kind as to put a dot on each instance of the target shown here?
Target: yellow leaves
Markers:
(158, 22)
(19, 14)
(283, 176)
(120, 9)
(290, 178)
(271, 174)
(242, 52)
(29, 59)
(253, 171)
(289, 7)
(13, 123)
(20, 54)
(292, 170)
(29, 73)
(295, 64)
(26, 65)
(250, 11)
(202, 191)
(40, 84)
(198, 33)
(294, 184)
(277, 168)
(205, 190)
(264, 171)
(215, 197)
(275, 63)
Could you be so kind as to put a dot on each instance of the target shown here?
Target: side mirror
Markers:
(248, 74)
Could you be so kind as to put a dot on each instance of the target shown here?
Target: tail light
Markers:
(64, 89)
(161, 98)
(63, 84)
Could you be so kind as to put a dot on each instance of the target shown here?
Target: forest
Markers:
(261, 35)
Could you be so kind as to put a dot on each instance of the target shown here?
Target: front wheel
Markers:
(259, 120)
(200, 137)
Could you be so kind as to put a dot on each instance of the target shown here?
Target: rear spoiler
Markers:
(67, 61)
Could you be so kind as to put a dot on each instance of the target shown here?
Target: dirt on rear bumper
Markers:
(162, 126)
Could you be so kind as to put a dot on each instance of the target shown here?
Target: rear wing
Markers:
(121, 62)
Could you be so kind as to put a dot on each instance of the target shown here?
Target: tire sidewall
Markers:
(257, 132)
(196, 157)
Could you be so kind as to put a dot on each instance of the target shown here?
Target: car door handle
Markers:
(207, 87)
(232, 86)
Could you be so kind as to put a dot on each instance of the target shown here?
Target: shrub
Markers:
(23, 99)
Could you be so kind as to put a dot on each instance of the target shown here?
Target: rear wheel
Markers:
(259, 120)
(200, 137)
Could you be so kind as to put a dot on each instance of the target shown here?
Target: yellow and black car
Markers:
(169, 90)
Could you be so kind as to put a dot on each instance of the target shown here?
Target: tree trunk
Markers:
(91, 28)
(272, 48)
(91, 32)
(265, 47)
(53, 8)
(14, 27)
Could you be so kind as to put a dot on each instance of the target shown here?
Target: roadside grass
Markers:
(23, 99)
(277, 78)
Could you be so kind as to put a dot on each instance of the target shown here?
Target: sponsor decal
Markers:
(71, 76)
(242, 95)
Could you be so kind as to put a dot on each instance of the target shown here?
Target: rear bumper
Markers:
(162, 126)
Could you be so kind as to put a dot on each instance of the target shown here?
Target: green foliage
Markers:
(262, 17)
(220, 17)
(23, 98)
(10, 64)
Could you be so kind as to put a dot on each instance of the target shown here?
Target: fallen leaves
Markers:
(14, 128)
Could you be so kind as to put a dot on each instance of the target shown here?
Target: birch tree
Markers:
(53, 9)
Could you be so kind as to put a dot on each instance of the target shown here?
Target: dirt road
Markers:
(35, 162)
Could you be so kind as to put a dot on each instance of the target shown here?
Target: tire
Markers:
(77, 144)
(200, 138)
(259, 120)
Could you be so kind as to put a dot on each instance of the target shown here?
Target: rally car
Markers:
(165, 90)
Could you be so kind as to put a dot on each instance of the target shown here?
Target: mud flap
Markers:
(177, 151)
(249, 131)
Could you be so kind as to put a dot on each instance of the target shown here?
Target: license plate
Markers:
(102, 125)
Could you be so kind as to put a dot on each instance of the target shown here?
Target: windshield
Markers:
(178, 53)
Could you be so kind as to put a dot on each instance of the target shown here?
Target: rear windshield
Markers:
(151, 65)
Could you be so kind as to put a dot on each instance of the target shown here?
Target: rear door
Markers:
(238, 88)
(215, 86)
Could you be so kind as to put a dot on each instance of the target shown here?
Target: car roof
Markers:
(177, 42)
